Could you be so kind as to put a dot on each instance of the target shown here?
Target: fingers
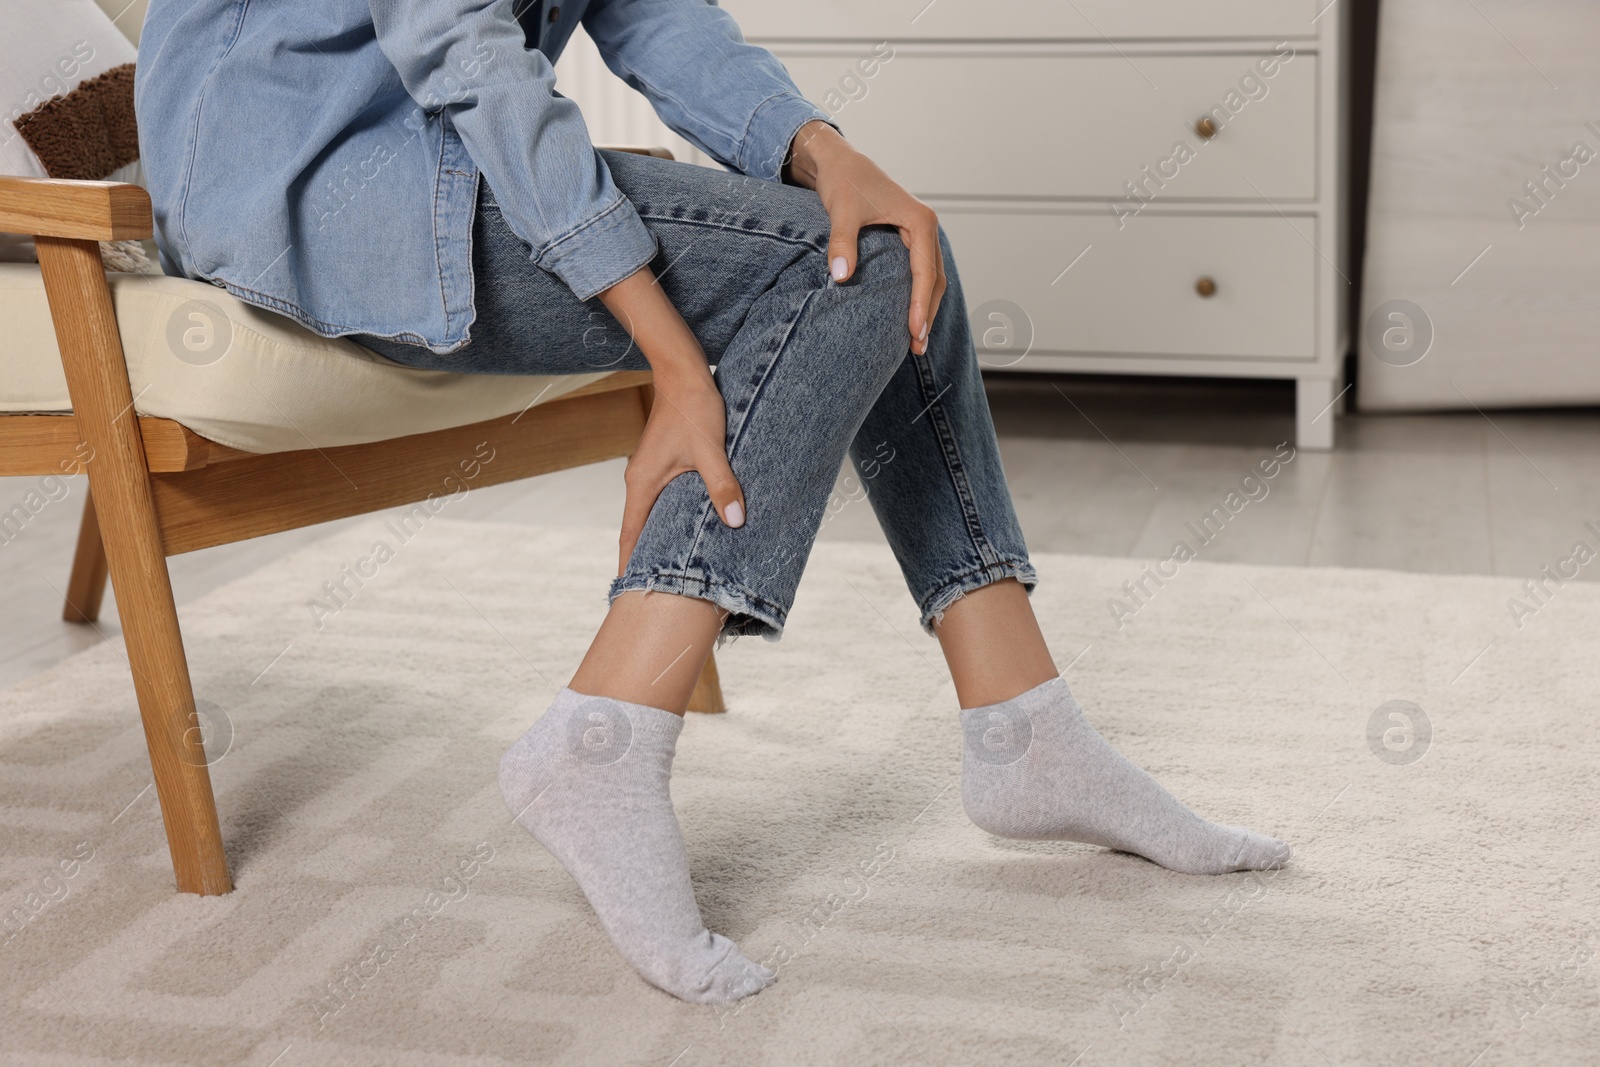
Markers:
(726, 495)
(927, 278)
(643, 489)
(642, 493)
(843, 236)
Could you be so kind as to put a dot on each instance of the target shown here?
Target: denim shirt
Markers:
(321, 157)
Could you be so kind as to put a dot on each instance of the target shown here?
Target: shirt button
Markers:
(555, 13)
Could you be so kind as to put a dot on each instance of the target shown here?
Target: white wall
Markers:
(1472, 105)
(127, 14)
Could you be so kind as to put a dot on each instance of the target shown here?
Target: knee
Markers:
(883, 263)
(877, 296)
(879, 291)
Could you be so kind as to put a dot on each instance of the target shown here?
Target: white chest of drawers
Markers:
(1130, 186)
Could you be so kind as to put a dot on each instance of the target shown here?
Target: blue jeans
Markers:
(808, 369)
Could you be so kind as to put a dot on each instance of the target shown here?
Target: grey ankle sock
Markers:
(589, 781)
(1035, 769)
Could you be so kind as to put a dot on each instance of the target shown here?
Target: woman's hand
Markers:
(687, 428)
(856, 193)
(685, 432)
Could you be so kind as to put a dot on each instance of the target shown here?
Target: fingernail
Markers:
(841, 267)
(923, 336)
(735, 514)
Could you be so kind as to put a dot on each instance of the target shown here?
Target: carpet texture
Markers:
(1441, 907)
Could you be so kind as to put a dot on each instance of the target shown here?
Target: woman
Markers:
(403, 172)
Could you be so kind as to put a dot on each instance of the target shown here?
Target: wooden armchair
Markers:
(158, 489)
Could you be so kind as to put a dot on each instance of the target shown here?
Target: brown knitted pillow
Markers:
(88, 133)
(85, 135)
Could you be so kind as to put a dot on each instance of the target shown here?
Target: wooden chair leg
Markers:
(707, 695)
(87, 586)
(102, 403)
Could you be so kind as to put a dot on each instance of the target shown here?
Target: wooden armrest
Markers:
(639, 150)
(92, 211)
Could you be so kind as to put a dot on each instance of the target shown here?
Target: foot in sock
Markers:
(1035, 769)
(589, 781)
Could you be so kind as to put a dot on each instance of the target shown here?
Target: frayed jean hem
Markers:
(747, 614)
(936, 604)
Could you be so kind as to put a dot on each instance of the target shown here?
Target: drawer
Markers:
(1134, 291)
(1023, 20)
(993, 124)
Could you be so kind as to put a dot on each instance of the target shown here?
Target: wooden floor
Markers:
(1097, 466)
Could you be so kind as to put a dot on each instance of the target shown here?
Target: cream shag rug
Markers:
(1439, 910)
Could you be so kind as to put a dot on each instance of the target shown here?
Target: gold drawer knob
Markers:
(1206, 129)
(1206, 287)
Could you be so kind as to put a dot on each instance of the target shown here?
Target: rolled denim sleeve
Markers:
(468, 57)
(731, 99)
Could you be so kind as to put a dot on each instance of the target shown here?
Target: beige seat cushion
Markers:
(245, 377)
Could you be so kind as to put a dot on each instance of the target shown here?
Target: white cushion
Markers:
(246, 377)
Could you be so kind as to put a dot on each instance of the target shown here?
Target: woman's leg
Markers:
(1033, 767)
(650, 650)
(800, 361)
(993, 646)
